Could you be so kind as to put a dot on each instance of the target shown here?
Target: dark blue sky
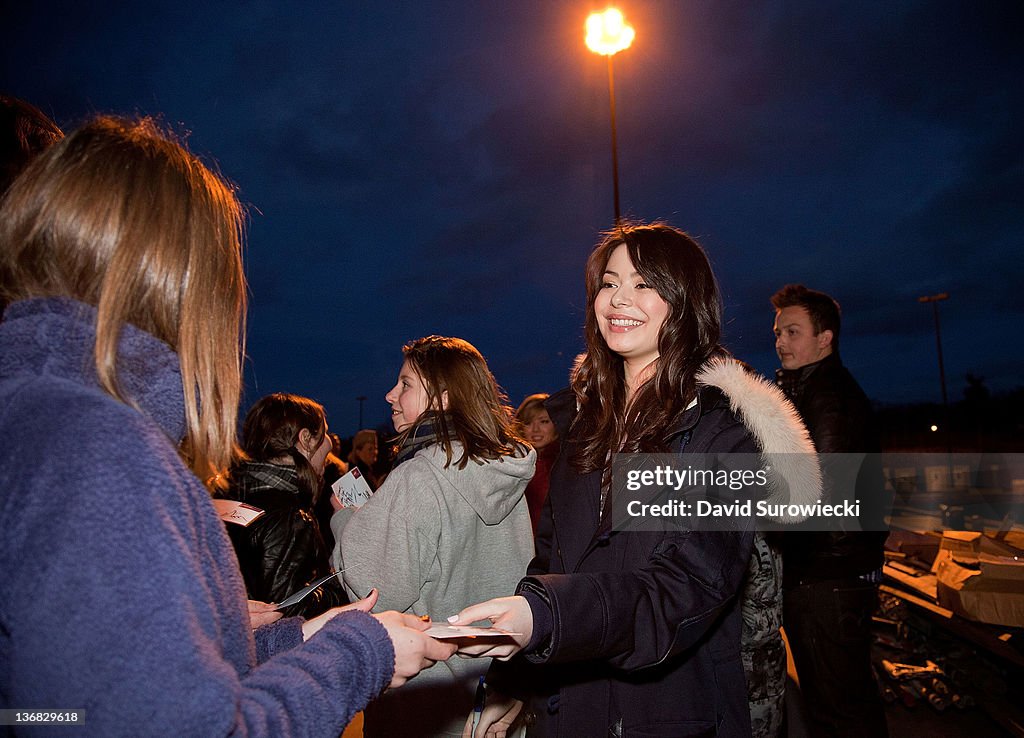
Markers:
(444, 167)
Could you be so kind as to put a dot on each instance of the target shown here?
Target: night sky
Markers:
(445, 167)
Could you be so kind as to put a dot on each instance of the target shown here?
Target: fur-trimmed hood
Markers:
(785, 444)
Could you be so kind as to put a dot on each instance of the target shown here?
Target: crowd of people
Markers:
(120, 379)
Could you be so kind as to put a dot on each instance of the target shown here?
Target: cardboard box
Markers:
(980, 578)
(923, 546)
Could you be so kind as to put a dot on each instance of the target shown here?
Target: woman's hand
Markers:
(497, 717)
(262, 613)
(414, 651)
(313, 625)
(508, 613)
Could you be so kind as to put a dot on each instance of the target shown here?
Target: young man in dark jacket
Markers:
(830, 578)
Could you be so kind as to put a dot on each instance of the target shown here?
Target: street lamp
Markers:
(361, 399)
(608, 34)
(935, 300)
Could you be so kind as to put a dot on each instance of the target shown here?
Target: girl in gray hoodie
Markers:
(448, 527)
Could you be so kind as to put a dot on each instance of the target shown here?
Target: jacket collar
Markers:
(57, 336)
(708, 398)
(792, 381)
(773, 421)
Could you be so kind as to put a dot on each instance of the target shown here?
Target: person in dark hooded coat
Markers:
(628, 632)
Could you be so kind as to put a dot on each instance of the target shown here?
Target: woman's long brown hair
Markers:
(676, 266)
(477, 415)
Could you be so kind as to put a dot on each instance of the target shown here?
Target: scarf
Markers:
(252, 476)
(423, 434)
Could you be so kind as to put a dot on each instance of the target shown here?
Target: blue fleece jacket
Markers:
(120, 594)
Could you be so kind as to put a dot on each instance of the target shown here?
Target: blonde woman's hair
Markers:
(119, 215)
(529, 407)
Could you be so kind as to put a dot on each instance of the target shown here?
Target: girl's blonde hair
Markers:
(119, 215)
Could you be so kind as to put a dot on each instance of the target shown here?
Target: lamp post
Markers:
(935, 300)
(608, 34)
(361, 399)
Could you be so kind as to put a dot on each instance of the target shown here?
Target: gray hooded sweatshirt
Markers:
(434, 540)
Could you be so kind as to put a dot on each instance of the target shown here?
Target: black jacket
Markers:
(833, 406)
(282, 551)
(645, 632)
(839, 417)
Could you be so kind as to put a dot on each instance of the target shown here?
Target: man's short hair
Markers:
(822, 309)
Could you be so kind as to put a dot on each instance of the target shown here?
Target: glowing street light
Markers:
(607, 34)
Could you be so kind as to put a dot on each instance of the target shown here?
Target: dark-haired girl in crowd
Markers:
(632, 632)
(120, 256)
(448, 527)
(285, 445)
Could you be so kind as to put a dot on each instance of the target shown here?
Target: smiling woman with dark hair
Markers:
(626, 632)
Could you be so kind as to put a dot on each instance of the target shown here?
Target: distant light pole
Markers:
(947, 431)
(935, 300)
(361, 399)
(608, 34)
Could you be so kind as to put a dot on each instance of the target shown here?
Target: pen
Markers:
(478, 704)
